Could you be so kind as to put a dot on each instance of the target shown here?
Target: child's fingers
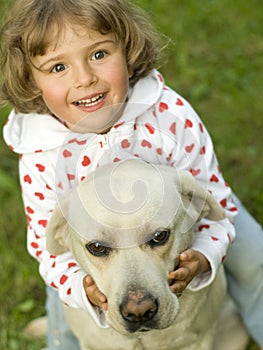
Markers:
(178, 286)
(100, 296)
(104, 306)
(180, 274)
(187, 255)
(88, 281)
(94, 294)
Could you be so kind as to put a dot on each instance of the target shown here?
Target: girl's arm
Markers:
(189, 147)
(60, 272)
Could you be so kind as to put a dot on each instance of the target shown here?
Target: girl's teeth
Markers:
(89, 101)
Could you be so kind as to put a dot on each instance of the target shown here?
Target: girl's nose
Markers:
(84, 76)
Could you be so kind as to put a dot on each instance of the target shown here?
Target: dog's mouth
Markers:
(144, 330)
(136, 328)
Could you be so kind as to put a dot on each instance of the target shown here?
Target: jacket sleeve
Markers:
(189, 147)
(61, 272)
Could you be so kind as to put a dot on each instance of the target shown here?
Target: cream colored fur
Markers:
(122, 206)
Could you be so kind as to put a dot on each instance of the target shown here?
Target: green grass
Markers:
(214, 59)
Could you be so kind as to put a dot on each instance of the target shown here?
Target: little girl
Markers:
(81, 80)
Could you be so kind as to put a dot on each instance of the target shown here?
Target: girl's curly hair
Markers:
(29, 30)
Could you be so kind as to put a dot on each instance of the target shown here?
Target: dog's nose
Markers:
(139, 307)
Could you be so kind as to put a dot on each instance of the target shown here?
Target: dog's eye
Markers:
(160, 237)
(97, 249)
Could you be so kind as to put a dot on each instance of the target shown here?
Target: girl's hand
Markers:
(94, 294)
(191, 264)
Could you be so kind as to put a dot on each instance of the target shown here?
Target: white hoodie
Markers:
(158, 126)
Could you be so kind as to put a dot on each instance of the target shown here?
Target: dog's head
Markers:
(126, 226)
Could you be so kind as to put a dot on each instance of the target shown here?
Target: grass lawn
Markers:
(214, 59)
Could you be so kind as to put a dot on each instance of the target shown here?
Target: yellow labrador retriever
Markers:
(126, 225)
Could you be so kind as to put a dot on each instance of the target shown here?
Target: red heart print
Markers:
(69, 291)
(189, 148)
(125, 143)
(53, 285)
(66, 153)
(118, 125)
(116, 160)
(40, 195)
(188, 124)
(214, 178)
(40, 167)
(201, 227)
(146, 143)
(233, 209)
(42, 223)
(173, 128)
(159, 151)
(169, 157)
(63, 279)
(81, 142)
(27, 179)
(71, 264)
(163, 106)
(150, 128)
(34, 245)
(201, 127)
(195, 172)
(30, 210)
(214, 238)
(202, 150)
(160, 77)
(60, 185)
(223, 202)
(72, 140)
(85, 161)
(38, 253)
(71, 177)
(179, 102)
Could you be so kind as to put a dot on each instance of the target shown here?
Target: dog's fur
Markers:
(126, 226)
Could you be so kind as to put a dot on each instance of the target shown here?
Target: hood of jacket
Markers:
(32, 132)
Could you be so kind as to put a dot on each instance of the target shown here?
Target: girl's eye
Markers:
(58, 68)
(98, 55)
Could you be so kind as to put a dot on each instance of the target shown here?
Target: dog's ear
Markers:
(57, 232)
(198, 201)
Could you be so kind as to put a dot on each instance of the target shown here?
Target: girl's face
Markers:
(84, 79)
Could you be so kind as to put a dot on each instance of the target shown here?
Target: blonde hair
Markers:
(27, 33)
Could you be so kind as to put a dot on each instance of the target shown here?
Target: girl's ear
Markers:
(57, 233)
(130, 72)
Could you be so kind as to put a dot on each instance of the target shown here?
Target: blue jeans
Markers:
(59, 336)
(244, 271)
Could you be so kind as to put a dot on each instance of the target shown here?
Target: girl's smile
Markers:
(80, 75)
